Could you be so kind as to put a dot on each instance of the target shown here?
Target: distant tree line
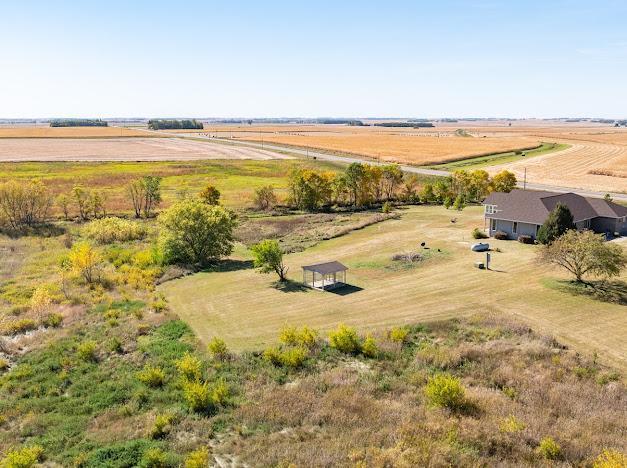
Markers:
(78, 123)
(185, 124)
(404, 124)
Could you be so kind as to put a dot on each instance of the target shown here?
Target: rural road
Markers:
(423, 171)
(411, 169)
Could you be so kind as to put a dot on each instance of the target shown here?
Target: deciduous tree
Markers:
(210, 195)
(197, 233)
(504, 181)
(585, 253)
(85, 261)
(24, 203)
(268, 257)
(264, 198)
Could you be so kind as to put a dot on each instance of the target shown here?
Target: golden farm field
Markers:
(401, 148)
(595, 159)
(71, 132)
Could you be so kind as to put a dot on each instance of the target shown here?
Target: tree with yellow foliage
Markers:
(85, 261)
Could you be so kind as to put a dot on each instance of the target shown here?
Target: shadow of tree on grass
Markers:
(228, 264)
(41, 230)
(606, 291)
(290, 286)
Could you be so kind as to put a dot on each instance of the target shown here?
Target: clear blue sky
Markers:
(313, 58)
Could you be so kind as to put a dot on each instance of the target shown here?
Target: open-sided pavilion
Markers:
(323, 276)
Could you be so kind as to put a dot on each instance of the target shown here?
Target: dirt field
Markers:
(124, 149)
(385, 293)
(71, 132)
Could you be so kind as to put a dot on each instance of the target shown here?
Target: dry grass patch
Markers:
(338, 415)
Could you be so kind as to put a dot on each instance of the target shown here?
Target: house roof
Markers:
(533, 207)
(326, 268)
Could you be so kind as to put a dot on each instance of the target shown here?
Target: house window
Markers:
(493, 224)
(515, 228)
(490, 209)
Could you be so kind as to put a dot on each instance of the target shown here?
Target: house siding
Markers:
(523, 229)
(611, 225)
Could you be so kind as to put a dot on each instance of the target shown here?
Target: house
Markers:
(522, 212)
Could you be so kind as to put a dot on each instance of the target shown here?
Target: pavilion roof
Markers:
(326, 268)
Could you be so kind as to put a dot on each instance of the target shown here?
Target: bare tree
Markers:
(136, 192)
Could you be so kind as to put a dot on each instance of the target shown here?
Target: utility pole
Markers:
(525, 180)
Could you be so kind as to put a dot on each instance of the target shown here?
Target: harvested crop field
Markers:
(125, 149)
(402, 148)
(596, 158)
(593, 166)
(72, 132)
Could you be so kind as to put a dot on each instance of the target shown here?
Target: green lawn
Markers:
(499, 158)
(245, 308)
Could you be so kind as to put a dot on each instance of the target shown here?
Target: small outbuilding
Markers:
(324, 276)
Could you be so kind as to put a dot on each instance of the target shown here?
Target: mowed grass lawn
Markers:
(244, 308)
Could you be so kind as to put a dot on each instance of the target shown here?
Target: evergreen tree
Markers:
(559, 221)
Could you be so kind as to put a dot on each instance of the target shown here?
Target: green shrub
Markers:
(386, 208)
(111, 229)
(25, 457)
(293, 336)
(478, 234)
(152, 376)
(154, 458)
(294, 357)
(272, 355)
(189, 366)
(525, 239)
(115, 345)
(444, 390)
(198, 396)
(161, 427)
(345, 339)
(369, 348)
(19, 309)
(511, 424)
(610, 458)
(217, 348)
(53, 320)
(159, 305)
(16, 327)
(501, 235)
(220, 393)
(198, 458)
(398, 334)
(549, 449)
(86, 350)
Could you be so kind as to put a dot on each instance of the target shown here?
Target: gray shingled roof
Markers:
(529, 206)
(326, 268)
